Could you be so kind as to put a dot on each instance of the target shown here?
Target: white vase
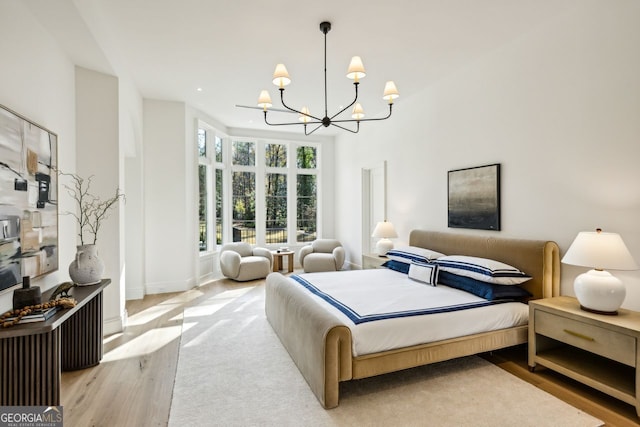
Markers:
(87, 268)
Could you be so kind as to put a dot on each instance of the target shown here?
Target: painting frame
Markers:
(474, 197)
(28, 199)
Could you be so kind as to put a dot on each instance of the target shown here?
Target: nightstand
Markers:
(373, 261)
(598, 350)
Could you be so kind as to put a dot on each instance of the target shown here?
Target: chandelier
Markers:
(355, 72)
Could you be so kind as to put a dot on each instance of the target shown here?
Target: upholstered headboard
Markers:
(538, 258)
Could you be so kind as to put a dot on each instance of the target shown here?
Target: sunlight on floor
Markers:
(151, 313)
(206, 334)
(215, 303)
(112, 337)
(146, 343)
(207, 308)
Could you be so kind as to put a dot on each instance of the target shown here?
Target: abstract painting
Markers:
(474, 197)
(28, 199)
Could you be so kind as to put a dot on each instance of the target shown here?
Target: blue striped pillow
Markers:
(412, 253)
(483, 269)
(484, 290)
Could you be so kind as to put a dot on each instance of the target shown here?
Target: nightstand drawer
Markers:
(605, 342)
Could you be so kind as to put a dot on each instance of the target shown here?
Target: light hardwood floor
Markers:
(133, 384)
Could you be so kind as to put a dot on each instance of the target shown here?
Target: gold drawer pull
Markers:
(576, 334)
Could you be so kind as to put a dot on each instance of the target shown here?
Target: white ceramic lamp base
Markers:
(599, 292)
(383, 246)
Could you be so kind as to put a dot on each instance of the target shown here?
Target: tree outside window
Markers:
(306, 195)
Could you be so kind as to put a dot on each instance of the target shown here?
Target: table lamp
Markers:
(384, 231)
(597, 290)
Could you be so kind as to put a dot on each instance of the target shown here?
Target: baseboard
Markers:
(132, 294)
(164, 287)
(116, 324)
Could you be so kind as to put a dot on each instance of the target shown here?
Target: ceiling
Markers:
(229, 48)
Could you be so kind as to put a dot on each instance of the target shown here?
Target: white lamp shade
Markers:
(303, 117)
(390, 92)
(599, 250)
(356, 69)
(358, 112)
(597, 290)
(281, 76)
(264, 100)
(384, 230)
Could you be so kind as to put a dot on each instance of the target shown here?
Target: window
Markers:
(210, 183)
(307, 208)
(306, 158)
(219, 206)
(275, 155)
(276, 204)
(244, 153)
(266, 190)
(276, 193)
(244, 207)
(202, 142)
(203, 181)
(202, 211)
(218, 149)
(243, 159)
(306, 195)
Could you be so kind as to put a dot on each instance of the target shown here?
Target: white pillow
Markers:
(413, 253)
(483, 269)
(424, 272)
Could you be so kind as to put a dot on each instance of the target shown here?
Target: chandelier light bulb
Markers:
(281, 76)
(264, 100)
(390, 92)
(358, 112)
(356, 69)
(304, 117)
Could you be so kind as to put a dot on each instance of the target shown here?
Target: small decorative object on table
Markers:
(35, 313)
(87, 268)
(27, 295)
(62, 290)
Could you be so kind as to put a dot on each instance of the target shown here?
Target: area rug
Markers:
(233, 371)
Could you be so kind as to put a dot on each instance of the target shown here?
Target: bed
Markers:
(321, 343)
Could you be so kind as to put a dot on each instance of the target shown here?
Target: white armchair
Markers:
(322, 255)
(240, 261)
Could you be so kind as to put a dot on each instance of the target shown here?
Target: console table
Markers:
(32, 355)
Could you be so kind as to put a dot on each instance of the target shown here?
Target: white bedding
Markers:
(383, 290)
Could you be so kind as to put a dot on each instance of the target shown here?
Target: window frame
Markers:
(260, 169)
(209, 161)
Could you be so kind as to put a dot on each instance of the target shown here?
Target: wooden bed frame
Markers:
(320, 344)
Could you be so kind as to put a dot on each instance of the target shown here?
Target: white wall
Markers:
(558, 108)
(37, 81)
(98, 156)
(169, 264)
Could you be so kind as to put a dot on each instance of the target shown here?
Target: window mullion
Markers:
(261, 216)
(227, 192)
(292, 194)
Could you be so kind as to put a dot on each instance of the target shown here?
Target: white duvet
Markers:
(378, 291)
